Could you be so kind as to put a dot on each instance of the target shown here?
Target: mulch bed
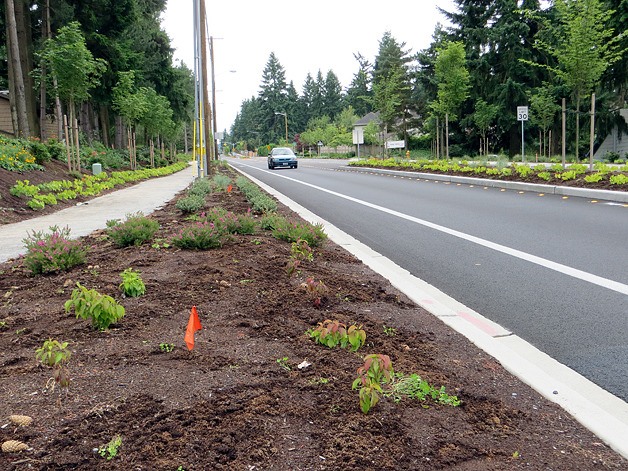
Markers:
(229, 403)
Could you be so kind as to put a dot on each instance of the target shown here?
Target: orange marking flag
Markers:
(194, 324)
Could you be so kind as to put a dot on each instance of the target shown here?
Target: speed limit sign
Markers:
(522, 113)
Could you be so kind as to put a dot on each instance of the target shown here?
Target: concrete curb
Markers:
(607, 195)
(598, 410)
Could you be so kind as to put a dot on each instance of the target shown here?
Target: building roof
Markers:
(372, 116)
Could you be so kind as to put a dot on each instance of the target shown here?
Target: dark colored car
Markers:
(282, 157)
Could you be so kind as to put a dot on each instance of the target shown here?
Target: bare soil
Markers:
(229, 404)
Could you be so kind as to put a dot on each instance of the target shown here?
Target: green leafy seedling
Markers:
(53, 353)
(132, 284)
(166, 347)
(110, 450)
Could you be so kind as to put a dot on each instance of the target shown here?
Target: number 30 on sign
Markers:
(522, 113)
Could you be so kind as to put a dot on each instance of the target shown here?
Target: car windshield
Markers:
(282, 152)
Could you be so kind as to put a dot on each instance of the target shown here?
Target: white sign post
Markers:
(522, 115)
(358, 137)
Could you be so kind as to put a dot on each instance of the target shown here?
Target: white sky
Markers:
(305, 37)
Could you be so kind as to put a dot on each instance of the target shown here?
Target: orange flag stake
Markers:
(194, 324)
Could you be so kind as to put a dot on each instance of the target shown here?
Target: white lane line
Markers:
(558, 267)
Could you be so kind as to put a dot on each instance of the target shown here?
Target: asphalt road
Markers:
(552, 270)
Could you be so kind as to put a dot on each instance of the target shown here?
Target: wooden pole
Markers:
(564, 150)
(67, 142)
(77, 149)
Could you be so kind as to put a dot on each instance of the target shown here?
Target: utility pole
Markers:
(211, 58)
(209, 150)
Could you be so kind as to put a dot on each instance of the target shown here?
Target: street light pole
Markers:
(285, 115)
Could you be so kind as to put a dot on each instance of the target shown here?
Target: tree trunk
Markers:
(118, 140)
(25, 46)
(577, 128)
(18, 77)
(104, 124)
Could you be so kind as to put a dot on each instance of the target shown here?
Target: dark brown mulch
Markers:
(229, 404)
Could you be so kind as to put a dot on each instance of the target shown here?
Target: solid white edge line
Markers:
(598, 410)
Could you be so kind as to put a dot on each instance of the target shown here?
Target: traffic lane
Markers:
(565, 232)
(579, 324)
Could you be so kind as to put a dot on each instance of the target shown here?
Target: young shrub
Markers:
(315, 290)
(53, 252)
(292, 230)
(270, 221)
(53, 353)
(136, 230)
(201, 187)
(132, 284)
(103, 310)
(221, 182)
(377, 369)
(191, 204)
(333, 333)
(199, 236)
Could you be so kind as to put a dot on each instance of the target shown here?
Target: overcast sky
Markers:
(305, 37)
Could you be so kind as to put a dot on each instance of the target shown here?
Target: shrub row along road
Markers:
(552, 270)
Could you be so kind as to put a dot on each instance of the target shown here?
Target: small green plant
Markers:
(103, 310)
(283, 362)
(619, 179)
(335, 333)
(390, 331)
(110, 450)
(132, 284)
(191, 203)
(166, 347)
(414, 387)
(52, 252)
(160, 244)
(376, 370)
(53, 353)
(136, 230)
(320, 381)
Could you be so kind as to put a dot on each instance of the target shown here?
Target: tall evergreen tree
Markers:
(332, 95)
(273, 96)
(360, 94)
(391, 75)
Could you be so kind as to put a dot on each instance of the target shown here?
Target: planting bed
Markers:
(229, 403)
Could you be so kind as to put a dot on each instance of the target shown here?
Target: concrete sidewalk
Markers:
(146, 196)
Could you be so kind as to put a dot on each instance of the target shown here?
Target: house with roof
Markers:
(616, 142)
(6, 121)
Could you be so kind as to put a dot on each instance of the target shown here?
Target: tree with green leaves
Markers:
(273, 99)
(332, 95)
(359, 94)
(73, 69)
(132, 105)
(391, 78)
(484, 117)
(583, 46)
(543, 110)
(452, 77)
(388, 98)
